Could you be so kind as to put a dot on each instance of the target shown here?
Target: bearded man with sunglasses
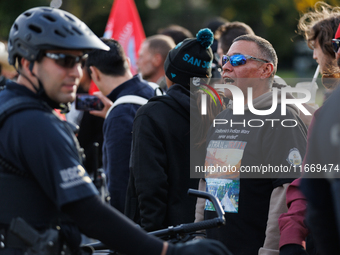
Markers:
(46, 195)
(257, 148)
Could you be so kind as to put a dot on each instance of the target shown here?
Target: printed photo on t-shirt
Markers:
(223, 159)
(222, 164)
(227, 191)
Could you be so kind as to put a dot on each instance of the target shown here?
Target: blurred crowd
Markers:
(99, 173)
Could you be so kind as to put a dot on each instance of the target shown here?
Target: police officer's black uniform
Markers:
(44, 188)
(41, 146)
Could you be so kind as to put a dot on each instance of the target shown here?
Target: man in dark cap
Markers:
(160, 159)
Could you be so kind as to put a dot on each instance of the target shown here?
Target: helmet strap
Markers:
(30, 67)
(40, 90)
(65, 108)
(23, 75)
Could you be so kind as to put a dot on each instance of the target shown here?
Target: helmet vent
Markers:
(57, 32)
(77, 31)
(50, 18)
(68, 30)
(35, 28)
(27, 14)
(70, 18)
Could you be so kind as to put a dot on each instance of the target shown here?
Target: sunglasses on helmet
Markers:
(239, 59)
(335, 45)
(66, 60)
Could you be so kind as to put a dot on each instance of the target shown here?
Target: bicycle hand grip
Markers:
(193, 227)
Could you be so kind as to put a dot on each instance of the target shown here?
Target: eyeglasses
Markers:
(335, 45)
(67, 61)
(239, 59)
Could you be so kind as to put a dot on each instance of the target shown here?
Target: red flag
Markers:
(125, 26)
(93, 88)
(337, 34)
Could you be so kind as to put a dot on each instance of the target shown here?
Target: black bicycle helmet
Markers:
(43, 28)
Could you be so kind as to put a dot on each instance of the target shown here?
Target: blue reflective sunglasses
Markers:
(239, 59)
(335, 45)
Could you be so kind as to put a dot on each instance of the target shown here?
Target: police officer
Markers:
(44, 187)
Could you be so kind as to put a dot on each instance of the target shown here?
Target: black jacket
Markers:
(53, 182)
(117, 130)
(160, 163)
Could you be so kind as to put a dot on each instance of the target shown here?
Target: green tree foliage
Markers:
(10, 9)
(93, 12)
(275, 20)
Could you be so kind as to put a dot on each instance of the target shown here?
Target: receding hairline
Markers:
(259, 41)
(161, 44)
(264, 46)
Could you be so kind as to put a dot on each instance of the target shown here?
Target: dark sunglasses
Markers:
(335, 44)
(67, 61)
(239, 59)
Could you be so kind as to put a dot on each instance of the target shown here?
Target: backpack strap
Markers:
(17, 104)
(157, 89)
(127, 100)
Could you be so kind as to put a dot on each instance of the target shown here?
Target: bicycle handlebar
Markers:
(192, 227)
(188, 227)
